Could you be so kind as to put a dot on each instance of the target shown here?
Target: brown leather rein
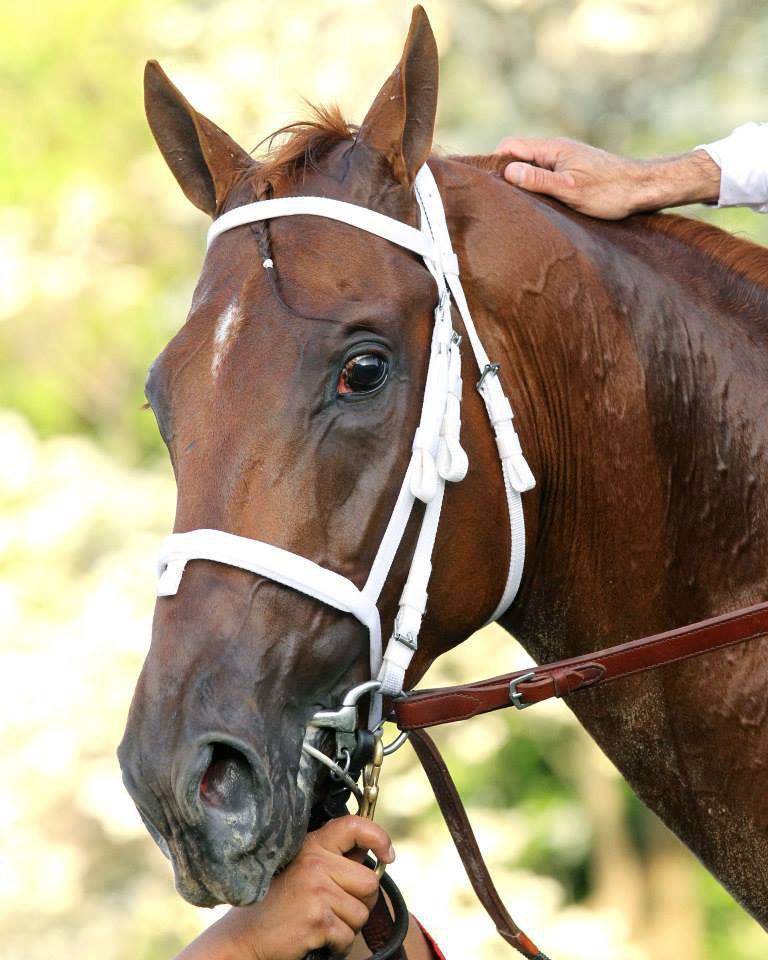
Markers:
(524, 688)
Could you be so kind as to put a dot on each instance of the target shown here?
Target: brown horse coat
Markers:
(635, 355)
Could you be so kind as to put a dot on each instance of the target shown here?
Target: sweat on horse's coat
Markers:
(636, 356)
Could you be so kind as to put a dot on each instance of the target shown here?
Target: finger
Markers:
(345, 833)
(354, 878)
(538, 180)
(340, 938)
(542, 152)
(350, 911)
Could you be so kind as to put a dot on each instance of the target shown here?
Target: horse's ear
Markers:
(204, 159)
(401, 121)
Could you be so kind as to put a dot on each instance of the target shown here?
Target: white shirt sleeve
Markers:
(743, 161)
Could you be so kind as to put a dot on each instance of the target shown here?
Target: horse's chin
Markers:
(239, 884)
(204, 878)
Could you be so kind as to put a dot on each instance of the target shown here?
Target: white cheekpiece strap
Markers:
(517, 475)
(437, 456)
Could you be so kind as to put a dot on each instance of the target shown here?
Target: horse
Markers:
(635, 355)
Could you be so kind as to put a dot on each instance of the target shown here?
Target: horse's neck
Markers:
(640, 384)
(699, 332)
(644, 401)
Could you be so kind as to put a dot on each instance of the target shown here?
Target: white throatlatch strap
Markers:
(437, 456)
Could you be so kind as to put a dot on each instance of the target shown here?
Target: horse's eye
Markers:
(363, 374)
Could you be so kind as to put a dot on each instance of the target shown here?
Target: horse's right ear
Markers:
(401, 120)
(204, 159)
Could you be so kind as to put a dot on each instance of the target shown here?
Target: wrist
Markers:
(673, 181)
(226, 939)
(208, 947)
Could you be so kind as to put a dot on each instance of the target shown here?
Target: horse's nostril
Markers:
(228, 781)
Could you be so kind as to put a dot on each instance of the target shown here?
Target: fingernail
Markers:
(514, 174)
(391, 853)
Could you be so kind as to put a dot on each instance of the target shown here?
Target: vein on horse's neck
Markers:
(654, 392)
(707, 398)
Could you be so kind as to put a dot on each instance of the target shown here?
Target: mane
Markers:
(744, 257)
(300, 146)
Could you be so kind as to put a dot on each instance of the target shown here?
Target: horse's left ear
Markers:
(401, 121)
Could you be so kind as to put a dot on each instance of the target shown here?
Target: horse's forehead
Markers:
(328, 278)
(313, 253)
(323, 270)
(319, 269)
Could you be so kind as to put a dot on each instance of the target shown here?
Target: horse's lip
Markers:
(321, 739)
(152, 830)
(228, 876)
(207, 877)
(211, 890)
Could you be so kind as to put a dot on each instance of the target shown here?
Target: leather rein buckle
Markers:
(515, 696)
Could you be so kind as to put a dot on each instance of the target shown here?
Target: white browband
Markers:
(436, 452)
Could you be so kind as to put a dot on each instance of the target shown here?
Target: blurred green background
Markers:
(98, 256)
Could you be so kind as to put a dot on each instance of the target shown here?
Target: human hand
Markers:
(321, 899)
(605, 185)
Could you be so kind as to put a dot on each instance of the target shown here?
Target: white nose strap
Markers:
(279, 565)
(437, 456)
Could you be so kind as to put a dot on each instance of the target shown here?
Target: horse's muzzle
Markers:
(212, 814)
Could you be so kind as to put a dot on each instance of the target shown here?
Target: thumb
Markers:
(537, 179)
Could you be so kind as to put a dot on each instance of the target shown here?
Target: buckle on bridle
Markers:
(489, 370)
(407, 640)
(514, 694)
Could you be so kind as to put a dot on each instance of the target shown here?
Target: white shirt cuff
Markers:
(743, 161)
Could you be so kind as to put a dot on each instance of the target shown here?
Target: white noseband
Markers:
(436, 452)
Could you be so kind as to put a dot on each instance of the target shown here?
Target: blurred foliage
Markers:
(98, 249)
(98, 256)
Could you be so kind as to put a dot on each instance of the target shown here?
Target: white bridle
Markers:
(436, 452)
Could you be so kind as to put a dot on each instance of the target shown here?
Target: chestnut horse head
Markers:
(635, 357)
(289, 402)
